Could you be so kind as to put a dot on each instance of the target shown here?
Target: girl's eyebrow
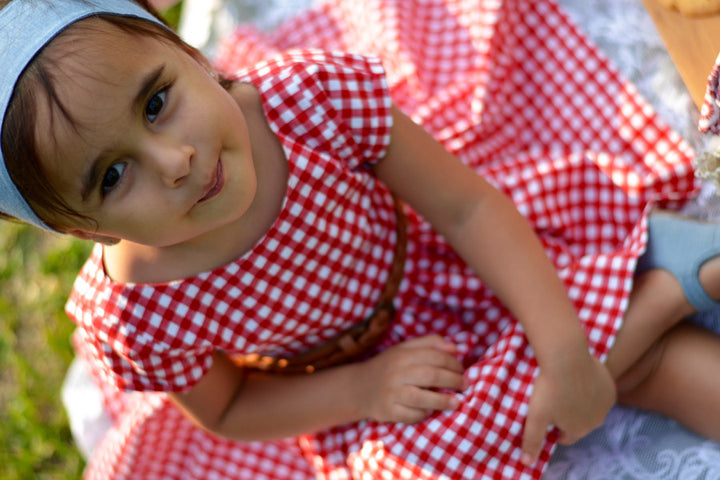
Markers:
(147, 85)
(93, 173)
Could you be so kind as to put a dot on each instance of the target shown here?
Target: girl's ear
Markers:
(85, 235)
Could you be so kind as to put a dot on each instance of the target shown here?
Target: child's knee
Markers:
(631, 384)
(663, 366)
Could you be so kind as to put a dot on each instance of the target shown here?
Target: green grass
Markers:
(172, 14)
(36, 274)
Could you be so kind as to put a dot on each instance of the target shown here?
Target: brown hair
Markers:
(18, 129)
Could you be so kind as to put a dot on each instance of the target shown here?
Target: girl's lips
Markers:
(216, 185)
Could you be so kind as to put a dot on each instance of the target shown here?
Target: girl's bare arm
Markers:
(394, 386)
(486, 229)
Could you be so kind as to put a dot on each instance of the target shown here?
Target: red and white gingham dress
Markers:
(512, 88)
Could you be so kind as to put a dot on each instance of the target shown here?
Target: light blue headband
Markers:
(26, 26)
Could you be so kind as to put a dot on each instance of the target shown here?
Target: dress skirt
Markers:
(516, 91)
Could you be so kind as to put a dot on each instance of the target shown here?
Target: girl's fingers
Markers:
(432, 377)
(536, 426)
(433, 358)
(431, 341)
(567, 439)
(410, 415)
(422, 399)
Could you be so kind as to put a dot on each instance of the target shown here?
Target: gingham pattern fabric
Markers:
(710, 109)
(517, 92)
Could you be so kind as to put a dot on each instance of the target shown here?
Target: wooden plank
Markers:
(692, 42)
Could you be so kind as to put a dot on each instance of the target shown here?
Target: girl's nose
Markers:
(171, 161)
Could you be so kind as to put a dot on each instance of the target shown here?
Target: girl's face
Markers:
(159, 152)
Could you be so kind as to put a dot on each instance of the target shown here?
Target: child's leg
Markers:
(678, 378)
(660, 364)
(656, 305)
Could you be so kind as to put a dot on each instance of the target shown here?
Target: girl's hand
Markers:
(398, 384)
(574, 395)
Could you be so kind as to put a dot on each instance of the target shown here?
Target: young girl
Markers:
(242, 224)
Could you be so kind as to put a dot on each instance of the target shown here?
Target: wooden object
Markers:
(693, 44)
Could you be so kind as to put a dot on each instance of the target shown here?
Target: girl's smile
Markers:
(215, 185)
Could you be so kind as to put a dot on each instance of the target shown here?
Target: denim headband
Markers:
(26, 26)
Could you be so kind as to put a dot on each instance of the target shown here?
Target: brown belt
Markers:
(352, 343)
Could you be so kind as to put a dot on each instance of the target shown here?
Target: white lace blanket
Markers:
(631, 444)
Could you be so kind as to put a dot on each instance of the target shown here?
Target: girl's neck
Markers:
(131, 262)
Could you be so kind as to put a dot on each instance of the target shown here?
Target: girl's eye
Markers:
(112, 177)
(155, 105)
